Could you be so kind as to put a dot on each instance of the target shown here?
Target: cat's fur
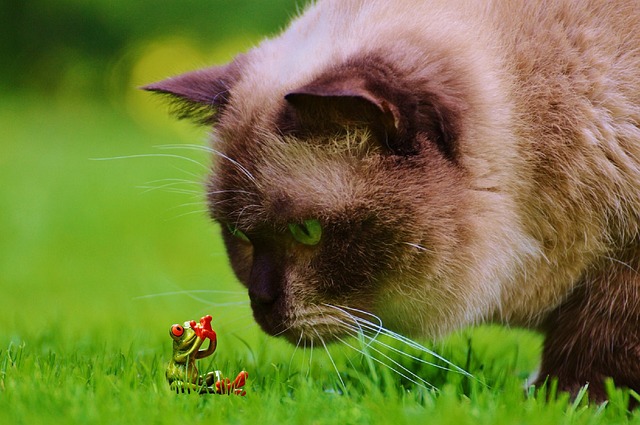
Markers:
(469, 161)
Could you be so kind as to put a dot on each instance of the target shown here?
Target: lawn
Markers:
(98, 257)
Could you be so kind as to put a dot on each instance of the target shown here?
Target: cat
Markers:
(437, 164)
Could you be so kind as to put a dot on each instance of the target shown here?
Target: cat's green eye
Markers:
(237, 233)
(308, 233)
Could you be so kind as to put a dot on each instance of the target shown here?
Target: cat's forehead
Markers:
(272, 178)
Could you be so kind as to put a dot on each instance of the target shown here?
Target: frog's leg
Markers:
(213, 343)
(226, 386)
(210, 378)
(222, 384)
(185, 387)
(238, 383)
(183, 357)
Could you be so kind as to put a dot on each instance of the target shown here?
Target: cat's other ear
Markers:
(344, 102)
(199, 95)
(369, 94)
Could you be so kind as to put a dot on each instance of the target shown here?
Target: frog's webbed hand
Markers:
(204, 331)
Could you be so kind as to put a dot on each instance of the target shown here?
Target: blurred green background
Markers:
(104, 237)
(90, 246)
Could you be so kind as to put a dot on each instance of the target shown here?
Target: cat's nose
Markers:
(261, 297)
(265, 280)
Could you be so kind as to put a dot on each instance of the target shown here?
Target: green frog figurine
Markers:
(182, 373)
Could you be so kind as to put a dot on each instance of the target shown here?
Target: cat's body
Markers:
(468, 161)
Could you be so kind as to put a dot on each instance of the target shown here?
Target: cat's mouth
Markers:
(319, 323)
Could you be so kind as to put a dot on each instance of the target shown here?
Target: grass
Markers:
(95, 267)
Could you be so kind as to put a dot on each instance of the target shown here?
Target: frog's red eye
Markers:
(177, 330)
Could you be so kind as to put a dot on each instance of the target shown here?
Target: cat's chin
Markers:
(310, 337)
(307, 334)
(314, 324)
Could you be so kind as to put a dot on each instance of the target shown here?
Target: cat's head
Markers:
(339, 193)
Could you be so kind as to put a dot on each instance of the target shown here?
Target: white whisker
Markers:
(203, 211)
(186, 204)
(424, 349)
(192, 193)
(189, 173)
(238, 165)
(417, 246)
(169, 187)
(151, 155)
(189, 146)
(344, 387)
(190, 291)
(176, 180)
(421, 382)
(239, 214)
(310, 357)
(190, 294)
(379, 329)
(296, 349)
(357, 322)
(215, 192)
(170, 182)
(229, 304)
(282, 331)
(216, 152)
(373, 340)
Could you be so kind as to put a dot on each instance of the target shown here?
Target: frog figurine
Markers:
(182, 373)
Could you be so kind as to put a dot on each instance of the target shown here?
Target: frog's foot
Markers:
(239, 382)
(226, 386)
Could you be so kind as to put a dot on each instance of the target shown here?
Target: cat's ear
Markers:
(343, 103)
(370, 95)
(199, 95)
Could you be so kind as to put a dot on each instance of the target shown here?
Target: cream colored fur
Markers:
(550, 141)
